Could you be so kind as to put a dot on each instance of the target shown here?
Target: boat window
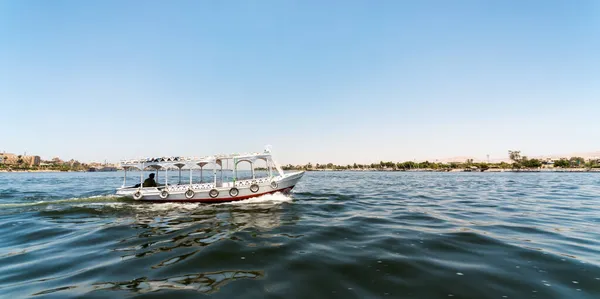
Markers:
(260, 169)
(244, 171)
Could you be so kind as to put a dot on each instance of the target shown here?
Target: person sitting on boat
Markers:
(150, 182)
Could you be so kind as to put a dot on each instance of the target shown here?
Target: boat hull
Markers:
(202, 192)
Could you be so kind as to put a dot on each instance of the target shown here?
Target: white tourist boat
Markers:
(214, 189)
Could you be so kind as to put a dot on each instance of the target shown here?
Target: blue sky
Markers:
(321, 81)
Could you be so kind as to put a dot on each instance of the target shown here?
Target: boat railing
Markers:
(207, 186)
(193, 187)
(249, 182)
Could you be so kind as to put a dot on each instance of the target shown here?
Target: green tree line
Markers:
(518, 162)
(48, 165)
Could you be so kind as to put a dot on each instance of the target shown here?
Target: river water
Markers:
(339, 235)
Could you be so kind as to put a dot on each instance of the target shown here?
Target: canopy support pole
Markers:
(269, 167)
(215, 174)
(124, 178)
(142, 176)
(234, 172)
(252, 168)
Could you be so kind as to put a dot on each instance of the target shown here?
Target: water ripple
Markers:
(350, 235)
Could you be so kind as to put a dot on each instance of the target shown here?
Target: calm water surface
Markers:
(339, 235)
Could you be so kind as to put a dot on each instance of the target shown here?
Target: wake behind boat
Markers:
(213, 190)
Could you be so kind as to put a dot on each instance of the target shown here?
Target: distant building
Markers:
(35, 161)
(548, 163)
(12, 159)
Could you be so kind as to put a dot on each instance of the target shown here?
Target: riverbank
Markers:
(466, 170)
(37, 170)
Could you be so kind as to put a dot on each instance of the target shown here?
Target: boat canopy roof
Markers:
(181, 162)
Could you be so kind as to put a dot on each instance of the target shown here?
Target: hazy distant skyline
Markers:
(334, 81)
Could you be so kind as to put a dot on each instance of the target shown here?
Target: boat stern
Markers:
(126, 191)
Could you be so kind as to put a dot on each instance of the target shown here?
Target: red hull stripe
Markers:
(215, 200)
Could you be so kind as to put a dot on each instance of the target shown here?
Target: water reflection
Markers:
(254, 217)
(203, 282)
(199, 226)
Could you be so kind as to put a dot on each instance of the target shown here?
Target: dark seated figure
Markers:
(150, 182)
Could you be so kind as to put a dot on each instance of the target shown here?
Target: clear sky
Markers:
(321, 81)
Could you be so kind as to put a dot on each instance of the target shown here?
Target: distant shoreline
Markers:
(21, 171)
(570, 170)
(464, 170)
